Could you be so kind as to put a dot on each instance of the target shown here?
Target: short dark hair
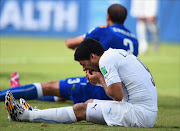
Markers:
(87, 47)
(117, 13)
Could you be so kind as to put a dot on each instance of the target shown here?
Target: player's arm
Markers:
(72, 43)
(115, 91)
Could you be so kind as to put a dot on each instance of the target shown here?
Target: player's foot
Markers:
(13, 107)
(25, 104)
(14, 79)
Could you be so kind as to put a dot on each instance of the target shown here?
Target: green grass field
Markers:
(40, 60)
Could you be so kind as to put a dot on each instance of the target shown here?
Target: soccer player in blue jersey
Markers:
(78, 89)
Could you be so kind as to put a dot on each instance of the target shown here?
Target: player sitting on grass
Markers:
(78, 89)
(124, 78)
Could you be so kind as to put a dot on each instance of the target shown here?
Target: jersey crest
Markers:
(103, 70)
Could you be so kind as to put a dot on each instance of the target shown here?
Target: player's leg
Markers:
(34, 91)
(153, 29)
(81, 111)
(30, 91)
(50, 98)
(151, 14)
(77, 89)
(141, 30)
(64, 115)
(138, 11)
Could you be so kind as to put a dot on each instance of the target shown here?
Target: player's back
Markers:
(138, 84)
(115, 36)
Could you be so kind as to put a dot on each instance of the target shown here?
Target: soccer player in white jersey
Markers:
(124, 78)
(146, 13)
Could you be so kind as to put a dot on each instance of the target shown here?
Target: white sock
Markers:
(141, 30)
(39, 89)
(53, 115)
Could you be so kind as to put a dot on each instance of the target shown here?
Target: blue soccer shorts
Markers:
(78, 89)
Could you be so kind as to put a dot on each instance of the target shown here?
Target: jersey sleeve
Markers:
(93, 33)
(109, 69)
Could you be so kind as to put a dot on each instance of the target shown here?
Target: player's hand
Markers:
(88, 76)
(93, 77)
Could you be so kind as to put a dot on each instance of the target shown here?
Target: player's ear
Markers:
(107, 17)
(92, 56)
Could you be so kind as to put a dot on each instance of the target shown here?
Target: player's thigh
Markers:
(119, 114)
(151, 8)
(138, 8)
(94, 113)
(72, 85)
(50, 88)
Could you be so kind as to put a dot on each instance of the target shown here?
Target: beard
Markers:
(95, 67)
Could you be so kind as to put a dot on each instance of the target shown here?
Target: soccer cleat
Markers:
(14, 80)
(13, 107)
(25, 104)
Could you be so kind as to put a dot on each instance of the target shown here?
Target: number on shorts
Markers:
(72, 81)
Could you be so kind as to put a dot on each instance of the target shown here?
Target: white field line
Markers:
(39, 60)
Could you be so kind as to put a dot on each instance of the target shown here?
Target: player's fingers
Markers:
(88, 75)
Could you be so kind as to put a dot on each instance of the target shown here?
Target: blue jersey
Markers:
(115, 36)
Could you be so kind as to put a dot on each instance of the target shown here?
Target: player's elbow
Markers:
(116, 94)
(116, 97)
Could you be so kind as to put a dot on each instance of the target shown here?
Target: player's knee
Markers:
(142, 19)
(89, 101)
(49, 87)
(80, 111)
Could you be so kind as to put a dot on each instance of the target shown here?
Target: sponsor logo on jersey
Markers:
(103, 70)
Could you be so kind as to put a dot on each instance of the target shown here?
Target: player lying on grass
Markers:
(78, 89)
(124, 78)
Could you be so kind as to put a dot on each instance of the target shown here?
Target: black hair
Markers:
(117, 13)
(87, 47)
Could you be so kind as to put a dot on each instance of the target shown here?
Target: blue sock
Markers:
(48, 98)
(28, 92)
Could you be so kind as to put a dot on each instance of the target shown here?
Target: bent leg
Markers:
(94, 113)
(51, 88)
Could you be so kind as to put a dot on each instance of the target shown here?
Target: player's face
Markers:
(89, 65)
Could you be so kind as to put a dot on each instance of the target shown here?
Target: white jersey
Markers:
(144, 8)
(118, 66)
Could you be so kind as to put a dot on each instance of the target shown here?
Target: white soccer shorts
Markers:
(115, 113)
(144, 8)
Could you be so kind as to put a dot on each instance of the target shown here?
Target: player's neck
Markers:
(110, 23)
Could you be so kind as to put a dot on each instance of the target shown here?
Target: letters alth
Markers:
(29, 15)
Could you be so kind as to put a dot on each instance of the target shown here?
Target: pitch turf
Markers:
(40, 60)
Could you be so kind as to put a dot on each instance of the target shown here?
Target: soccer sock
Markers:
(53, 115)
(28, 92)
(48, 98)
(141, 30)
(152, 27)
